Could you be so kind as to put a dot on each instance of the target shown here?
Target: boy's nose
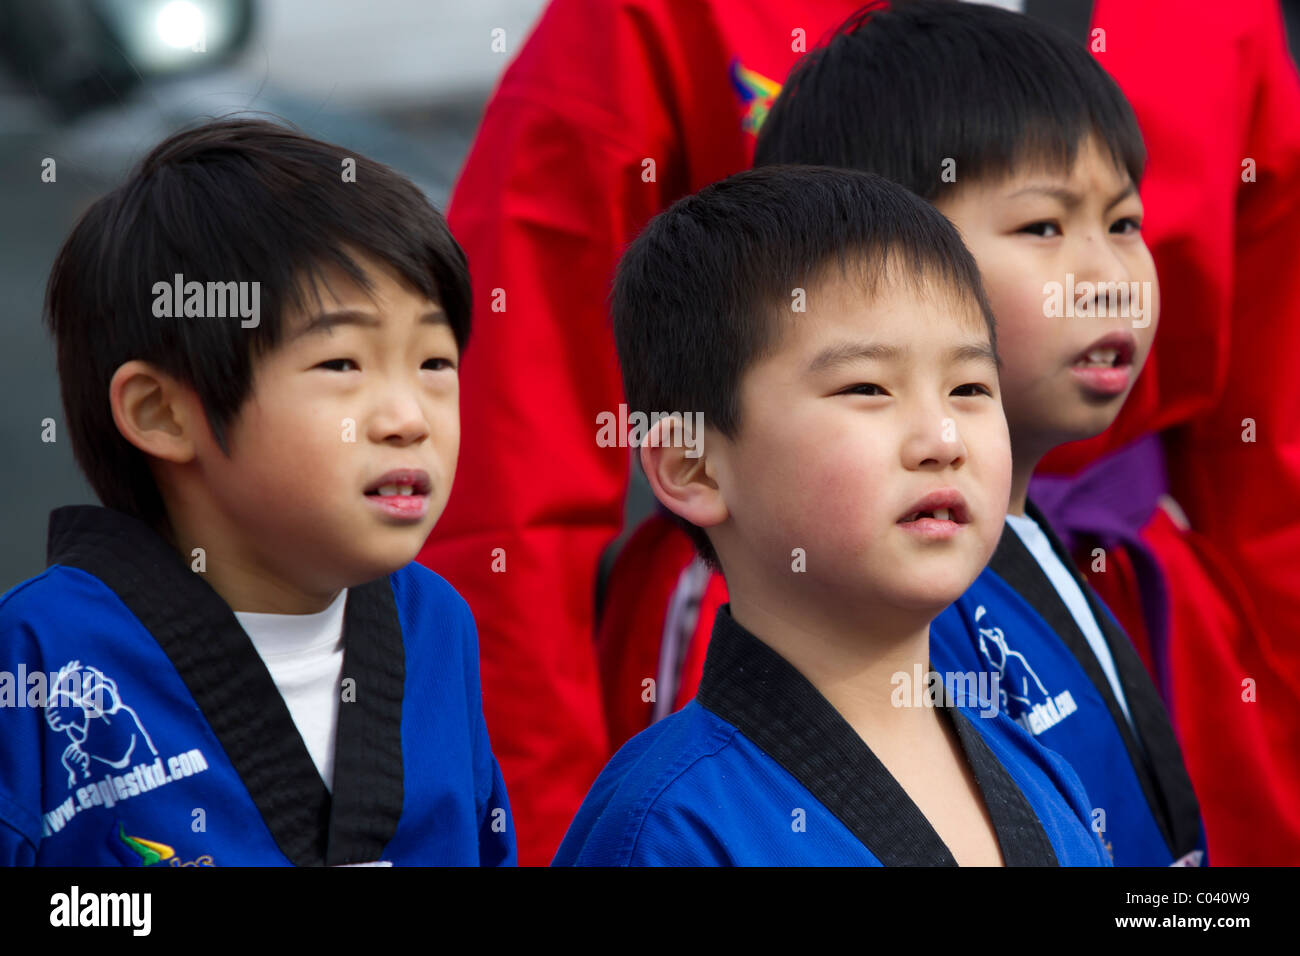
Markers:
(399, 417)
(933, 441)
(1097, 261)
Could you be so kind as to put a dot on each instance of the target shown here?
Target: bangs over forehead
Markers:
(869, 278)
(934, 94)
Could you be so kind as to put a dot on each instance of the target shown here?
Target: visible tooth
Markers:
(912, 516)
(941, 514)
(405, 489)
(388, 489)
(1103, 356)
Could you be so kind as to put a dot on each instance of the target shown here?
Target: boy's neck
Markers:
(1019, 491)
(241, 584)
(853, 663)
(1024, 461)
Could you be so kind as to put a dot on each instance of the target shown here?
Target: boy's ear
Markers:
(681, 474)
(155, 412)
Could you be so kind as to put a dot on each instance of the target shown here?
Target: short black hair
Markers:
(234, 200)
(708, 287)
(898, 90)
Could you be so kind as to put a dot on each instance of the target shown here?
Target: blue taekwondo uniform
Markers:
(760, 770)
(147, 731)
(1013, 623)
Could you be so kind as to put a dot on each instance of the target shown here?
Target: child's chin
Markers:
(382, 563)
(938, 585)
(1091, 416)
(930, 599)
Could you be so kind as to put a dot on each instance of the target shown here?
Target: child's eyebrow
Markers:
(326, 322)
(1071, 199)
(845, 353)
(973, 353)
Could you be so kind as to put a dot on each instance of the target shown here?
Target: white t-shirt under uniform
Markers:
(304, 653)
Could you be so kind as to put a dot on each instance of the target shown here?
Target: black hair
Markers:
(236, 200)
(898, 90)
(708, 287)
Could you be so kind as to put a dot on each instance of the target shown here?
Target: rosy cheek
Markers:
(999, 484)
(852, 480)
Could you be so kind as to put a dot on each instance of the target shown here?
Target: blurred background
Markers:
(95, 84)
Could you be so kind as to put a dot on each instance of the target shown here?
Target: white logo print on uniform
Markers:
(86, 706)
(1023, 696)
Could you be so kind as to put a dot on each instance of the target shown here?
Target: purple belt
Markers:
(1110, 501)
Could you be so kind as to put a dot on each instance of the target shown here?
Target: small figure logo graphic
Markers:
(1022, 695)
(85, 705)
(1019, 683)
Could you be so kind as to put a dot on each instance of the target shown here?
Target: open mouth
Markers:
(1112, 351)
(939, 514)
(399, 484)
(390, 491)
(940, 506)
(1105, 368)
(401, 495)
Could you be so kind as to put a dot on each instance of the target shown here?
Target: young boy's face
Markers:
(360, 397)
(869, 406)
(1037, 236)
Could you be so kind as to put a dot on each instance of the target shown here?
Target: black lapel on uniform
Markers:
(1014, 563)
(1180, 815)
(1152, 719)
(199, 633)
(752, 687)
(1020, 834)
(368, 774)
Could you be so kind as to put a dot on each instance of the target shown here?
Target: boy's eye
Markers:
(864, 389)
(333, 364)
(438, 364)
(1044, 229)
(1128, 224)
(972, 389)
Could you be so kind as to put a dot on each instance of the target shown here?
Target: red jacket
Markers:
(615, 108)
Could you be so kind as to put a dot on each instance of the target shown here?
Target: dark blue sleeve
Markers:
(15, 849)
(22, 725)
(669, 835)
(626, 826)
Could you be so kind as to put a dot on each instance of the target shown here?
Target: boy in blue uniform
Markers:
(235, 661)
(1021, 139)
(827, 332)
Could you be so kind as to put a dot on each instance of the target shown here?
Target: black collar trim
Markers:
(752, 687)
(199, 633)
(1164, 779)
